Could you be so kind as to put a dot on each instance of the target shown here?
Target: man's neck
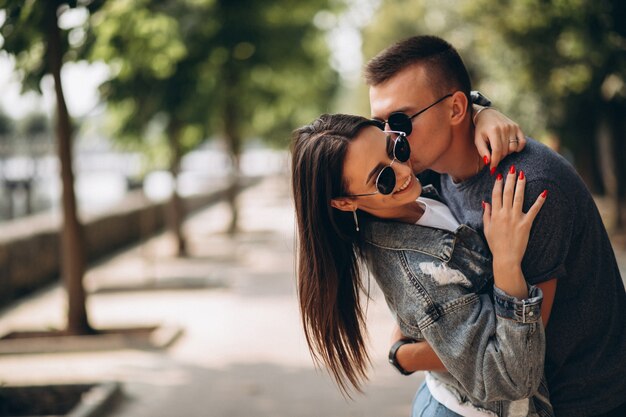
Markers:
(462, 160)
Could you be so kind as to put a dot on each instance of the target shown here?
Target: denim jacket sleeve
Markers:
(493, 348)
(493, 356)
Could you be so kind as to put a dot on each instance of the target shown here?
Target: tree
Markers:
(573, 55)
(7, 127)
(31, 33)
(36, 132)
(155, 79)
(237, 68)
(269, 75)
(557, 67)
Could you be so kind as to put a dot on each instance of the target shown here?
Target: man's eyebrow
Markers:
(404, 109)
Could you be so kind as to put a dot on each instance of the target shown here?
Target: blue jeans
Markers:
(424, 405)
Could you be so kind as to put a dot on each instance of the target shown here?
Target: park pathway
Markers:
(242, 351)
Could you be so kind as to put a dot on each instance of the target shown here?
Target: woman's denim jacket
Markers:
(440, 286)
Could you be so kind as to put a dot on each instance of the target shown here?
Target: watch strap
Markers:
(392, 355)
(478, 98)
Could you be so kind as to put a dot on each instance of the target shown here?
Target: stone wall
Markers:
(30, 247)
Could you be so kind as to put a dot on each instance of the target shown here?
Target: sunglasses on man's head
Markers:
(386, 179)
(403, 122)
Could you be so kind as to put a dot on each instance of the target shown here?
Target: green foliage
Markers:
(572, 55)
(23, 35)
(185, 64)
(566, 46)
(554, 66)
(146, 54)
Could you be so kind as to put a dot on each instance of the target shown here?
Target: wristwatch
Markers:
(392, 355)
(478, 98)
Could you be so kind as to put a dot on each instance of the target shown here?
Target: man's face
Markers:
(409, 92)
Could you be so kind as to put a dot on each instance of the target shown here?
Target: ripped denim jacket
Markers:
(440, 286)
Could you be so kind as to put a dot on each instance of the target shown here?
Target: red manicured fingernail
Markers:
(512, 169)
(544, 194)
(521, 175)
(493, 170)
(499, 177)
(486, 159)
(483, 203)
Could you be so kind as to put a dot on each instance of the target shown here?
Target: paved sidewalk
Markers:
(242, 352)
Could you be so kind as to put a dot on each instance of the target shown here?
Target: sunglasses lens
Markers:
(401, 122)
(402, 150)
(386, 181)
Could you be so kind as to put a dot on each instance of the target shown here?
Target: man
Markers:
(569, 255)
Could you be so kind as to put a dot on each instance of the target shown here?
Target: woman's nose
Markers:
(401, 168)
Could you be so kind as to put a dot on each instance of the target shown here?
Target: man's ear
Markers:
(459, 108)
(343, 204)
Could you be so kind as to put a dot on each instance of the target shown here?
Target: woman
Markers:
(355, 201)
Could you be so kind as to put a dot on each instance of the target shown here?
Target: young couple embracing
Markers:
(496, 266)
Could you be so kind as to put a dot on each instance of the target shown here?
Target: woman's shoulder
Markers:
(392, 236)
(426, 255)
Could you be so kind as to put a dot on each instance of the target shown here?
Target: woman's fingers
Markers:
(496, 194)
(486, 216)
(511, 139)
(518, 199)
(534, 209)
(483, 149)
(496, 143)
(521, 138)
(509, 188)
(509, 194)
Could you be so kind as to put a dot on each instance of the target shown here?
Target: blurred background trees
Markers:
(31, 33)
(558, 68)
(235, 70)
(182, 73)
(573, 54)
(189, 70)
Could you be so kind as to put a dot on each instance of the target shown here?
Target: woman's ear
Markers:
(343, 204)
(459, 108)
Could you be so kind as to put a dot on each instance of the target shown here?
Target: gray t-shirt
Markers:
(586, 333)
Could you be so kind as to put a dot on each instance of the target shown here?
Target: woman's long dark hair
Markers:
(329, 281)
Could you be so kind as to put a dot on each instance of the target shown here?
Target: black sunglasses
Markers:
(386, 179)
(403, 122)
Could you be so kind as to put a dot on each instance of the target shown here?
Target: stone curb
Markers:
(146, 338)
(96, 400)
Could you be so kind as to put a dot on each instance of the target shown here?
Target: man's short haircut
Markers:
(444, 67)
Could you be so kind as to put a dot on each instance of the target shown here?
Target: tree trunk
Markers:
(618, 123)
(176, 209)
(28, 189)
(72, 240)
(604, 141)
(233, 139)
